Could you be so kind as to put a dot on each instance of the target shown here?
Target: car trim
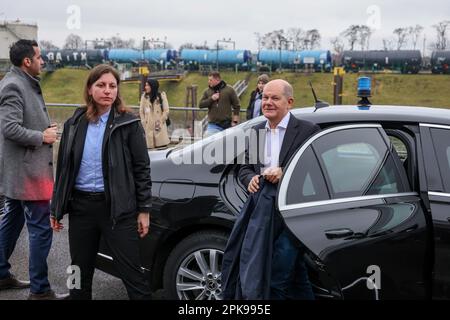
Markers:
(345, 200)
(429, 125)
(105, 256)
(287, 175)
(439, 194)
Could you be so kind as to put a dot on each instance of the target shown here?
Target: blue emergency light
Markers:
(364, 87)
(364, 90)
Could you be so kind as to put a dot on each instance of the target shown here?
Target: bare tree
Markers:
(338, 45)
(190, 45)
(351, 33)
(116, 42)
(364, 36)
(203, 46)
(388, 44)
(258, 39)
(272, 40)
(297, 36)
(47, 45)
(294, 38)
(73, 41)
(130, 43)
(314, 38)
(187, 45)
(441, 30)
(414, 33)
(402, 37)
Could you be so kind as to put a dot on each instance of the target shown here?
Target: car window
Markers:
(400, 147)
(441, 141)
(307, 183)
(357, 162)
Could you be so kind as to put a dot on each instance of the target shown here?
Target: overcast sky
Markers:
(198, 21)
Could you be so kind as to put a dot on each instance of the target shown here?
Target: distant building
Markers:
(10, 32)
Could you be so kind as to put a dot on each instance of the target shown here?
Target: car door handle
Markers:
(338, 233)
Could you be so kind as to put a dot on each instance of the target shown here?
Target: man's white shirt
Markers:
(274, 141)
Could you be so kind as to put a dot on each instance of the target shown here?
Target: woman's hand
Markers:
(143, 221)
(56, 226)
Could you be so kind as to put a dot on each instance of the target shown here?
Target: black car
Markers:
(369, 197)
(2, 204)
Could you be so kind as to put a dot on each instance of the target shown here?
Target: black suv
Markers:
(369, 197)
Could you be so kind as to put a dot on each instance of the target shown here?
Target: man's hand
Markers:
(50, 134)
(273, 174)
(143, 221)
(215, 96)
(253, 186)
(56, 226)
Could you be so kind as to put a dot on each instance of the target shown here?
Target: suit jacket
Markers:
(246, 269)
(26, 163)
(297, 132)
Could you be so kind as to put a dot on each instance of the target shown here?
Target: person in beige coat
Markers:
(154, 111)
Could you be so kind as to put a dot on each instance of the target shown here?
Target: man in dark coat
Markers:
(280, 137)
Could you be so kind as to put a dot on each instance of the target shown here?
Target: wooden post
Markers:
(191, 102)
(187, 102)
(194, 104)
(338, 85)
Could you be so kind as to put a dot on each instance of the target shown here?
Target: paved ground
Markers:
(105, 287)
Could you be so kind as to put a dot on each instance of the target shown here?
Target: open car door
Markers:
(345, 196)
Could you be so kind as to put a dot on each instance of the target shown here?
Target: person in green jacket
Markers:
(222, 102)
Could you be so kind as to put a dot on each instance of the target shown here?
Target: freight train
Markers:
(192, 58)
(404, 61)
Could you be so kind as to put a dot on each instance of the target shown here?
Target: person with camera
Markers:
(222, 102)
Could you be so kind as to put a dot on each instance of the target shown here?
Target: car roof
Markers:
(375, 113)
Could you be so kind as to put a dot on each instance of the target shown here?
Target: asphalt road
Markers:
(105, 287)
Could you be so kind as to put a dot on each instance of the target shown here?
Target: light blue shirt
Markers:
(90, 176)
(274, 141)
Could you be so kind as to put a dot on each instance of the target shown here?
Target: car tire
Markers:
(193, 268)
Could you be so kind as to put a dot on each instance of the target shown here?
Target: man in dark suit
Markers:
(280, 137)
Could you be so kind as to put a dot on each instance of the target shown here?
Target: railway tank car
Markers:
(405, 61)
(68, 57)
(60, 58)
(440, 62)
(320, 60)
(160, 56)
(193, 58)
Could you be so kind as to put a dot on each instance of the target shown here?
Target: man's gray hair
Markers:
(288, 90)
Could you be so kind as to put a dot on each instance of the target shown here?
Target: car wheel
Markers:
(193, 270)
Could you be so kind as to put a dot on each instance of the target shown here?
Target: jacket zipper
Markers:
(113, 128)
